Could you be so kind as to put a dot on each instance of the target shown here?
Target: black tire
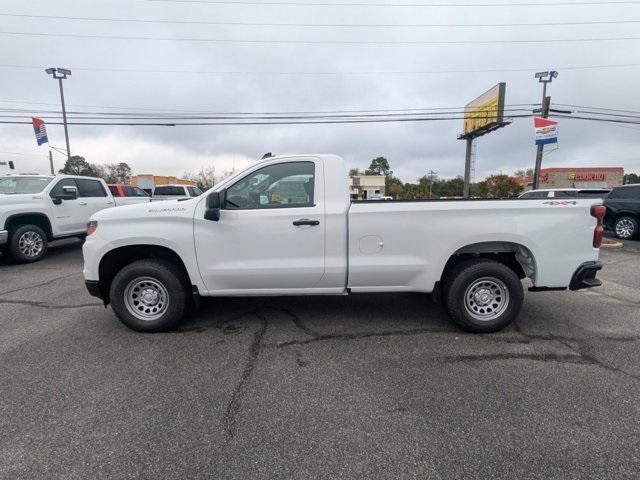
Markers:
(161, 272)
(626, 227)
(23, 253)
(488, 279)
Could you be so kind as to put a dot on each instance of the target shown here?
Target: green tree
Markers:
(630, 178)
(354, 172)
(393, 187)
(77, 165)
(379, 166)
(497, 186)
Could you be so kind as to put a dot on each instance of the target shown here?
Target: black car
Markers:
(623, 211)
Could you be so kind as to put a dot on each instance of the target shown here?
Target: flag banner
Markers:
(546, 131)
(40, 129)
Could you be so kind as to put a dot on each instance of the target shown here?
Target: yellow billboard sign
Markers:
(485, 113)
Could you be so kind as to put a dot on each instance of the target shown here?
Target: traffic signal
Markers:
(11, 167)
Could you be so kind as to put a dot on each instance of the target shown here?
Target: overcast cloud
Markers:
(412, 148)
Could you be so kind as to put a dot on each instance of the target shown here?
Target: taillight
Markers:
(598, 211)
(92, 226)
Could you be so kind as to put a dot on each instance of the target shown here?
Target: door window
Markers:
(90, 188)
(565, 194)
(169, 190)
(114, 191)
(194, 191)
(133, 192)
(276, 186)
(65, 182)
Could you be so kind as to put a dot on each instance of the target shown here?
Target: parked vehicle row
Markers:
(286, 226)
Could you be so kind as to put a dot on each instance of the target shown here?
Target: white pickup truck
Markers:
(35, 209)
(286, 226)
(174, 192)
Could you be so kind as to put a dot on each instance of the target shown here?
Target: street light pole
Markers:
(544, 78)
(61, 74)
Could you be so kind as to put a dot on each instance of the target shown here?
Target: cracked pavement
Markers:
(366, 386)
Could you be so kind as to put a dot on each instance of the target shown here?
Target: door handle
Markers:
(83, 203)
(306, 221)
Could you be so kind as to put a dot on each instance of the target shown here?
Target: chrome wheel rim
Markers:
(486, 299)
(146, 298)
(624, 228)
(30, 244)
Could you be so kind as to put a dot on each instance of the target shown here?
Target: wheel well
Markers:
(118, 258)
(513, 255)
(37, 219)
(627, 214)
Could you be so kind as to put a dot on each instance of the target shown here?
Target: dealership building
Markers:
(583, 177)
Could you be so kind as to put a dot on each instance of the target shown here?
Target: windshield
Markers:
(15, 185)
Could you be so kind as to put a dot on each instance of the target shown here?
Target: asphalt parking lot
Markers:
(367, 386)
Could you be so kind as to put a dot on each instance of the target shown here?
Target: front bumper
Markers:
(4, 236)
(93, 287)
(585, 276)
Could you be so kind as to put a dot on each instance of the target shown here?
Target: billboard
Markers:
(485, 113)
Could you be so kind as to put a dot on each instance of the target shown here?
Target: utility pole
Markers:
(61, 74)
(431, 174)
(467, 167)
(51, 162)
(544, 78)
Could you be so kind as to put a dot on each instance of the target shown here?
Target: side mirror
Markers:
(68, 193)
(214, 202)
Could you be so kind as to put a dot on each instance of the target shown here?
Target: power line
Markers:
(268, 122)
(320, 25)
(370, 4)
(386, 110)
(322, 42)
(328, 73)
(597, 108)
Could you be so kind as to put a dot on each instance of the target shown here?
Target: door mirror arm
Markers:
(214, 203)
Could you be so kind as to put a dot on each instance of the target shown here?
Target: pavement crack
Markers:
(543, 357)
(356, 336)
(48, 282)
(298, 322)
(234, 406)
(33, 303)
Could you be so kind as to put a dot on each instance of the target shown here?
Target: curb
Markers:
(612, 245)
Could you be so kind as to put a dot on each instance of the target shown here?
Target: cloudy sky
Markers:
(112, 75)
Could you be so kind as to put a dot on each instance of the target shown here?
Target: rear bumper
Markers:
(585, 276)
(93, 287)
(4, 236)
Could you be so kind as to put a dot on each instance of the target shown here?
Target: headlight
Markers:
(92, 226)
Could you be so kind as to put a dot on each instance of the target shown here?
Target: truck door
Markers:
(92, 196)
(270, 235)
(68, 216)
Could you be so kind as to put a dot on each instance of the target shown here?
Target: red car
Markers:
(128, 195)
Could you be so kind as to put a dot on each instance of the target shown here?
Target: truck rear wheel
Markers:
(150, 295)
(27, 243)
(626, 228)
(483, 296)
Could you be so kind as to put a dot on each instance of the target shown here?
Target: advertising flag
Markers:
(546, 131)
(40, 129)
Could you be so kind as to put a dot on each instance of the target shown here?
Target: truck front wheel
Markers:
(27, 243)
(483, 296)
(150, 295)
